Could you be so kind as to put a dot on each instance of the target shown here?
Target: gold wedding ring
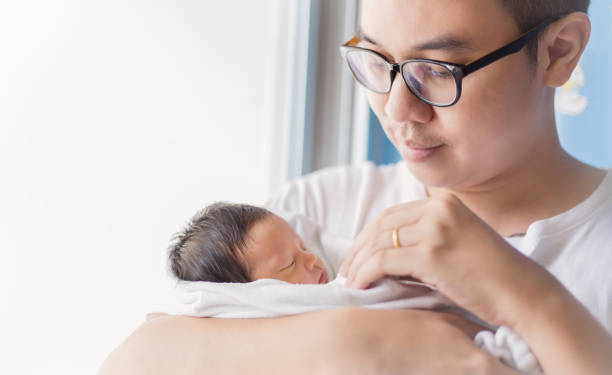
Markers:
(395, 235)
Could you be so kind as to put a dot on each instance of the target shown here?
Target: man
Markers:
(481, 163)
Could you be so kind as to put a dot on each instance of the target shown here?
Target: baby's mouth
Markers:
(323, 278)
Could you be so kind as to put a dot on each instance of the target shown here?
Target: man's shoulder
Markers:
(329, 183)
(395, 175)
(366, 170)
(348, 195)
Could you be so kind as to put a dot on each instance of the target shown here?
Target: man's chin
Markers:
(430, 176)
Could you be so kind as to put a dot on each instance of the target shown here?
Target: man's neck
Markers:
(509, 203)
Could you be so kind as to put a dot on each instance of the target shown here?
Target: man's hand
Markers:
(446, 245)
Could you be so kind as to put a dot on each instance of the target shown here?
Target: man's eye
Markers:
(439, 73)
(377, 67)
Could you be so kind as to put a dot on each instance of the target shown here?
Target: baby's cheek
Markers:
(298, 278)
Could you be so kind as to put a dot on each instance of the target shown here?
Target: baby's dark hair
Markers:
(211, 246)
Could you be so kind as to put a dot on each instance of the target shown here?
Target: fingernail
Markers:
(341, 271)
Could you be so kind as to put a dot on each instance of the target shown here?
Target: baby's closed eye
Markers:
(289, 265)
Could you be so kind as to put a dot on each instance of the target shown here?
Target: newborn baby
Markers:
(241, 243)
(235, 249)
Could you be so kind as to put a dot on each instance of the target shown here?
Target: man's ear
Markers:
(561, 47)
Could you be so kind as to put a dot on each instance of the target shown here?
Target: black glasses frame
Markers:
(459, 71)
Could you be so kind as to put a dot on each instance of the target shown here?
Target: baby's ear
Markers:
(561, 47)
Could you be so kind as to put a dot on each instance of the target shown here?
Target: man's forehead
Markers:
(401, 26)
(446, 42)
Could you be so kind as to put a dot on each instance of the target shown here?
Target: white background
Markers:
(118, 120)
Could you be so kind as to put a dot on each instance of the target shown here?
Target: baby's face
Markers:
(275, 251)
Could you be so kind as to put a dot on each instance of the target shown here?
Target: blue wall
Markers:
(584, 115)
(584, 104)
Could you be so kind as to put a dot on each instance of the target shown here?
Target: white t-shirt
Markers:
(575, 246)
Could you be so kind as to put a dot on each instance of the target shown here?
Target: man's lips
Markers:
(421, 146)
(418, 152)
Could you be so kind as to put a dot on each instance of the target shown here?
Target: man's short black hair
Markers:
(529, 13)
(211, 246)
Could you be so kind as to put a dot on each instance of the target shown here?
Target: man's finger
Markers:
(408, 236)
(388, 262)
(396, 216)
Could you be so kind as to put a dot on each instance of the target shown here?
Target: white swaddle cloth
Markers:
(266, 298)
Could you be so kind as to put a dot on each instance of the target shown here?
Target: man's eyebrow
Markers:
(447, 42)
(362, 36)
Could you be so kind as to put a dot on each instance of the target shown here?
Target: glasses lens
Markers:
(370, 70)
(430, 81)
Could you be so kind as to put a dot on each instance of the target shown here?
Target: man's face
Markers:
(275, 251)
(498, 124)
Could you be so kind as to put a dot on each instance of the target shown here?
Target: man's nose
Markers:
(403, 106)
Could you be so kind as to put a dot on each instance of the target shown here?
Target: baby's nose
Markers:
(311, 260)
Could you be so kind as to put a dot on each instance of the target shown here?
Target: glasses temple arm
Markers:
(508, 49)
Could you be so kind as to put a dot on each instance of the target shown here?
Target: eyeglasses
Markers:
(437, 83)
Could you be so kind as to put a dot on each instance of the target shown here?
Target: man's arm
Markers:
(449, 247)
(185, 345)
(563, 334)
(341, 341)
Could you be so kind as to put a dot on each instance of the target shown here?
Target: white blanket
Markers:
(266, 298)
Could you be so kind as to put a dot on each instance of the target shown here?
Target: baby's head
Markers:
(239, 243)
